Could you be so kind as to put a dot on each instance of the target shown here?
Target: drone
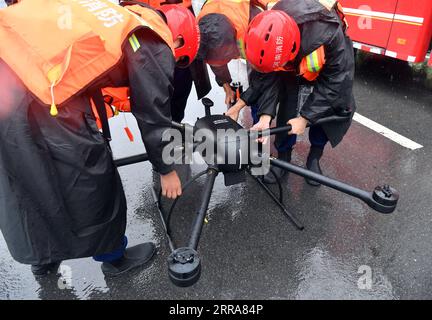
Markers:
(184, 263)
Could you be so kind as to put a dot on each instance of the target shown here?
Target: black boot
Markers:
(313, 164)
(269, 178)
(133, 257)
(45, 269)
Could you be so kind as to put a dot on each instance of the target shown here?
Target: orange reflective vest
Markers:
(312, 64)
(237, 12)
(116, 100)
(59, 47)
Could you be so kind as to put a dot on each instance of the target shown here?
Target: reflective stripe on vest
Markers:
(312, 64)
(59, 47)
(237, 12)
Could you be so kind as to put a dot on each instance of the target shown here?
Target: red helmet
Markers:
(272, 40)
(183, 24)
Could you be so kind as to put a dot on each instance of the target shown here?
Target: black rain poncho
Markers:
(332, 92)
(61, 196)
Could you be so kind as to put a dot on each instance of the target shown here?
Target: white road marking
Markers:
(386, 132)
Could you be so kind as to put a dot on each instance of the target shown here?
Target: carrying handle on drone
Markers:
(287, 128)
(207, 104)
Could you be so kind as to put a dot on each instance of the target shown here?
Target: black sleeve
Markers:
(222, 74)
(263, 92)
(151, 74)
(333, 88)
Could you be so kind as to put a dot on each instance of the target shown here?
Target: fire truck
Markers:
(400, 29)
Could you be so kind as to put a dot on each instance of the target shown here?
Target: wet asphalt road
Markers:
(249, 249)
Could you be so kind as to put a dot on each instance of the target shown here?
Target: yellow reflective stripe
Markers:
(134, 42)
(308, 62)
(317, 67)
(240, 45)
(313, 64)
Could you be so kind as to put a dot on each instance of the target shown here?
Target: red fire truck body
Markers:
(399, 29)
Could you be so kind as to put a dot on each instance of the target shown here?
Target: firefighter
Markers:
(223, 25)
(61, 196)
(305, 42)
(185, 74)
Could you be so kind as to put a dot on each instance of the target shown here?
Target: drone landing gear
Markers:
(279, 201)
(184, 267)
(184, 263)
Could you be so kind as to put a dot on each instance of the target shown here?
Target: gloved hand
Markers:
(171, 185)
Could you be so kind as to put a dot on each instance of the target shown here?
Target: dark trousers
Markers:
(182, 89)
(113, 255)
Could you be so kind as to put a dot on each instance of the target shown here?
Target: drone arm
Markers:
(288, 127)
(131, 160)
(205, 200)
(144, 156)
(379, 200)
